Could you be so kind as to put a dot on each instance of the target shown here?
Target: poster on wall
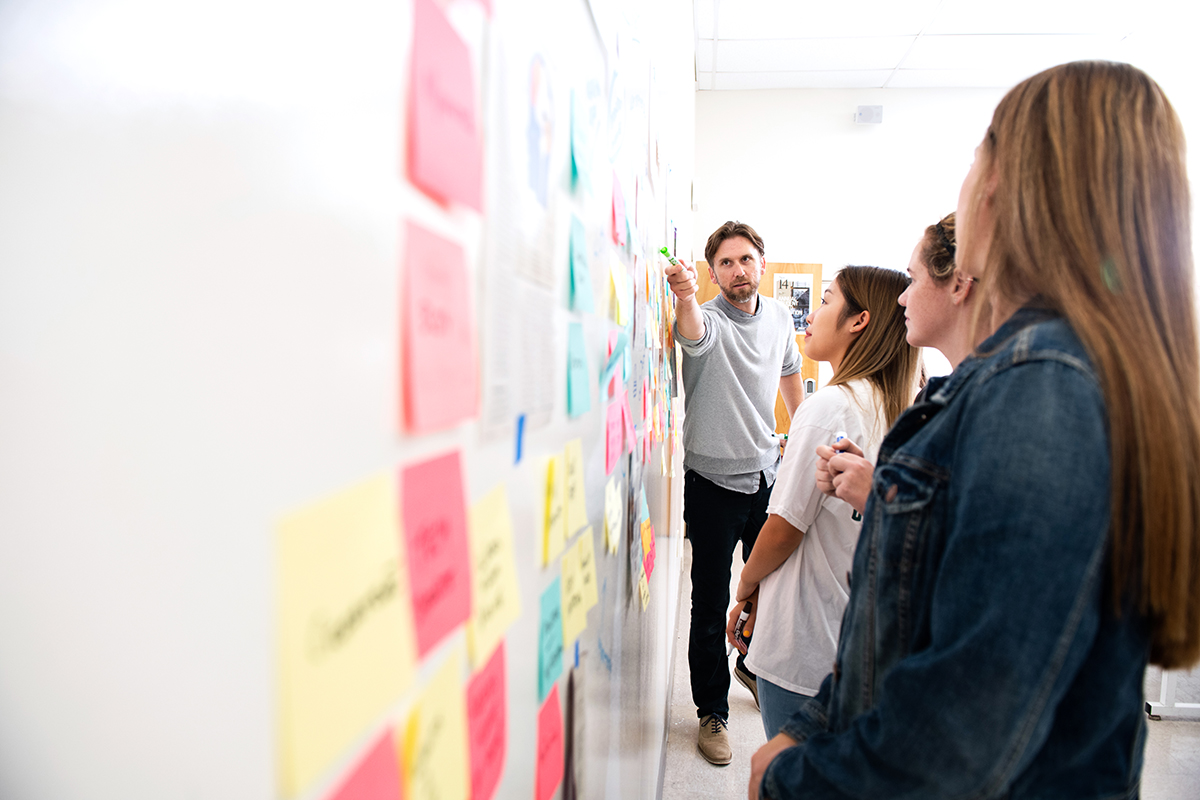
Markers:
(525, 148)
(794, 290)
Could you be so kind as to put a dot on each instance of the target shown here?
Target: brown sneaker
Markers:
(747, 680)
(714, 740)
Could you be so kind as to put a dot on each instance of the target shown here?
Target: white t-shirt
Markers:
(800, 604)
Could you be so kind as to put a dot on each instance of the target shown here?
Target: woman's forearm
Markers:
(777, 540)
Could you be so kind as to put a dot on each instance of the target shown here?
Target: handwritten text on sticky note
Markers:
(487, 723)
(435, 742)
(440, 386)
(496, 595)
(445, 152)
(549, 748)
(435, 533)
(550, 638)
(346, 648)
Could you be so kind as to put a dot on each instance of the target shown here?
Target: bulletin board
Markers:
(351, 414)
(806, 278)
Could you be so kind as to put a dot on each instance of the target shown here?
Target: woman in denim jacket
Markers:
(1030, 539)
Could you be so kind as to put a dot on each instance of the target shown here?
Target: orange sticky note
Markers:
(440, 384)
(648, 547)
(435, 533)
(445, 152)
(376, 776)
(487, 724)
(549, 747)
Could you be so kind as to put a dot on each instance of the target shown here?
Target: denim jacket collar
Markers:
(943, 389)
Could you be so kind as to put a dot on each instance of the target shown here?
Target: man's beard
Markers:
(739, 294)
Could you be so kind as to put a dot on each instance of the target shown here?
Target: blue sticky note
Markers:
(581, 275)
(645, 510)
(579, 394)
(550, 641)
(618, 352)
(520, 438)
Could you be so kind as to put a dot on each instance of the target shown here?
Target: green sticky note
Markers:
(581, 275)
(579, 394)
(550, 641)
(580, 143)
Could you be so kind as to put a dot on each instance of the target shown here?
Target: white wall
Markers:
(821, 188)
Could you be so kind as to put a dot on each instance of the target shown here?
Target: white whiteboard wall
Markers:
(199, 212)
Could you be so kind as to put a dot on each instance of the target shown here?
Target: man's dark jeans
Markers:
(716, 520)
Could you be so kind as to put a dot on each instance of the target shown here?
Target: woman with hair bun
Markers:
(1030, 540)
(939, 307)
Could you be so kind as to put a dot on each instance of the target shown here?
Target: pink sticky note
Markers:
(618, 213)
(445, 153)
(648, 558)
(376, 776)
(612, 439)
(438, 351)
(487, 720)
(646, 400)
(435, 532)
(549, 747)
(627, 417)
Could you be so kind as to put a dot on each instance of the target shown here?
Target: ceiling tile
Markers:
(788, 55)
(748, 19)
(834, 79)
(1001, 77)
(1037, 16)
(1029, 53)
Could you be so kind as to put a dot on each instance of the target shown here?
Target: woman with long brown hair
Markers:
(795, 578)
(1030, 540)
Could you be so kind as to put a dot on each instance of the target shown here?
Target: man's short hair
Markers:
(728, 231)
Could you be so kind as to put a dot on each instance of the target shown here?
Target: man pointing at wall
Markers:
(735, 347)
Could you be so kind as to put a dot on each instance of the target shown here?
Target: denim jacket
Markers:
(980, 655)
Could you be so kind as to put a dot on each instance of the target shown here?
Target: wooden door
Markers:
(808, 368)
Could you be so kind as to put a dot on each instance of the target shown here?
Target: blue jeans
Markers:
(717, 519)
(777, 705)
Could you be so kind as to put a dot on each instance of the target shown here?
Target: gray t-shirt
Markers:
(730, 379)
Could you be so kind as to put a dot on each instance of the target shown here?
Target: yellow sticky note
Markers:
(346, 646)
(434, 752)
(574, 610)
(577, 515)
(647, 536)
(554, 535)
(614, 514)
(495, 593)
(643, 589)
(619, 283)
(585, 556)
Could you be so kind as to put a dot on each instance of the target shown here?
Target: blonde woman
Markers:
(796, 575)
(1030, 541)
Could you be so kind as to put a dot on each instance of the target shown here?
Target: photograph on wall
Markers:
(794, 290)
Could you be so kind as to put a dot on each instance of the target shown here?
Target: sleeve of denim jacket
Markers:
(1015, 604)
